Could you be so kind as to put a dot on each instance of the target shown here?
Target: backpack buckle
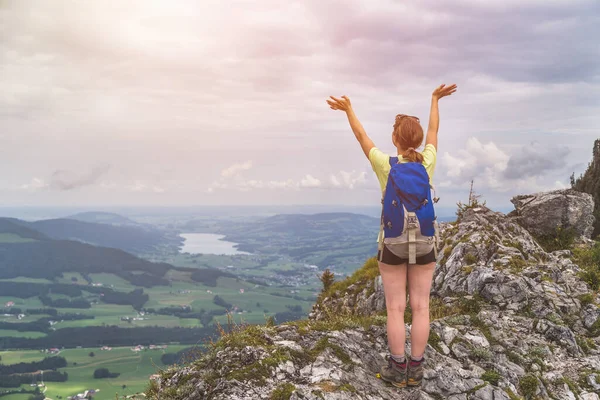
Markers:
(412, 221)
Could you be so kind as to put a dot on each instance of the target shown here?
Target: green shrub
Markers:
(491, 376)
(586, 299)
(588, 258)
(282, 392)
(528, 385)
(562, 239)
(482, 354)
(470, 258)
(469, 306)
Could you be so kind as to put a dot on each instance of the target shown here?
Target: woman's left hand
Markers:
(339, 104)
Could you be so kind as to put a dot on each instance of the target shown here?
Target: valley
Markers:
(104, 280)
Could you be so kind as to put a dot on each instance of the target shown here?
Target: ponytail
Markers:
(412, 155)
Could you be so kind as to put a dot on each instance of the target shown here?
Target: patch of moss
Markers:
(282, 392)
(491, 376)
(586, 344)
(517, 245)
(538, 351)
(476, 388)
(595, 328)
(327, 386)
(324, 343)
(586, 299)
(465, 239)
(573, 386)
(517, 265)
(438, 309)
(447, 252)
(470, 306)
(337, 322)
(242, 336)
(481, 354)
(478, 323)
(555, 318)
(515, 358)
(346, 387)
(259, 371)
(434, 340)
(583, 378)
(511, 394)
(470, 258)
(528, 385)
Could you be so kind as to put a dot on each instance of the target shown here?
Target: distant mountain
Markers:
(103, 218)
(133, 239)
(47, 258)
(15, 227)
(345, 224)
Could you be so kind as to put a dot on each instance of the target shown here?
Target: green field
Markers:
(258, 302)
(14, 238)
(9, 332)
(135, 370)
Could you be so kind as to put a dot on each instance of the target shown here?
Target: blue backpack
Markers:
(408, 223)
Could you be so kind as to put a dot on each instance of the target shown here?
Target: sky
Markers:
(167, 103)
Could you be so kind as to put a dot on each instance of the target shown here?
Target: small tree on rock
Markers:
(327, 278)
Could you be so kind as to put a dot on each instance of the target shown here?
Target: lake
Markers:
(208, 243)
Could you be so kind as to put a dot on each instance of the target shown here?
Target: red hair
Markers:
(408, 135)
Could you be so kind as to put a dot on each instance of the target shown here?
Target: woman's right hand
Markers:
(443, 91)
(339, 104)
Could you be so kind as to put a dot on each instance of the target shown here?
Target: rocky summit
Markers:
(510, 320)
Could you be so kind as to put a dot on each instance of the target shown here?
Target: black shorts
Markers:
(392, 259)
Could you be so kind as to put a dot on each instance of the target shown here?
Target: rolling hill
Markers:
(130, 238)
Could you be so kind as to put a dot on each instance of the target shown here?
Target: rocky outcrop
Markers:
(509, 321)
(542, 213)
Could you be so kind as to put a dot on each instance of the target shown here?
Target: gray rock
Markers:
(590, 315)
(542, 213)
(589, 396)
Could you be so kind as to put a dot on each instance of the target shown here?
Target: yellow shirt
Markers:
(381, 165)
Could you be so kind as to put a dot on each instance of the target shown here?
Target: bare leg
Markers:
(394, 287)
(419, 286)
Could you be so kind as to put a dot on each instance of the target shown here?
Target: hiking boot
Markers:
(415, 372)
(394, 372)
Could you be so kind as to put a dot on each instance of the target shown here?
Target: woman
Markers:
(396, 273)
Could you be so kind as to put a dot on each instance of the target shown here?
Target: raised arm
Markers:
(434, 113)
(344, 104)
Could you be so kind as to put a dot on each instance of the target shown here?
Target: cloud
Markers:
(66, 180)
(236, 169)
(477, 159)
(310, 182)
(348, 180)
(234, 179)
(536, 160)
(137, 85)
(492, 168)
(139, 186)
(35, 184)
